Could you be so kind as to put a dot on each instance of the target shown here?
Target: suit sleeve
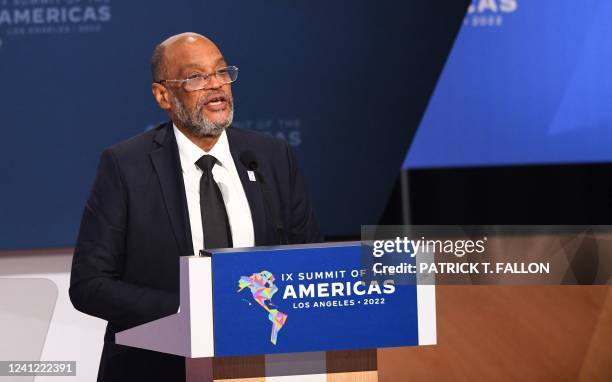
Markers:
(303, 226)
(96, 287)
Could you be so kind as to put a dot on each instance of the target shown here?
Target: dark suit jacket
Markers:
(135, 226)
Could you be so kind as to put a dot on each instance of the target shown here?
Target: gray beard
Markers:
(197, 123)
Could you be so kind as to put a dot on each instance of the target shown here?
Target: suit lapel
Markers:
(166, 161)
(251, 189)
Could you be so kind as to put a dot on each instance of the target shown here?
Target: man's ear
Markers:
(162, 96)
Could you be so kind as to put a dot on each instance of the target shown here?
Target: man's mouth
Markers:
(216, 102)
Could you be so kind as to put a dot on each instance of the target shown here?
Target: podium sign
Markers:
(310, 298)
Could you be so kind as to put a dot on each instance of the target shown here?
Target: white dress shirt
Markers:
(225, 174)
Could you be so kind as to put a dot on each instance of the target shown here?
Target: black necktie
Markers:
(217, 233)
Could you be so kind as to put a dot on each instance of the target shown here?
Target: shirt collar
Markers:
(189, 152)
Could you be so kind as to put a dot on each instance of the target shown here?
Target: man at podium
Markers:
(189, 184)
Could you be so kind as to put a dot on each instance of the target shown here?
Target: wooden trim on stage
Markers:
(355, 376)
(343, 361)
(336, 366)
(250, 369)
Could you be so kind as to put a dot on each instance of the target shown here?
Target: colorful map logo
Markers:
(263, 289)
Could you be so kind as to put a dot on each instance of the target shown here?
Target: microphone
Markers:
(249, 160)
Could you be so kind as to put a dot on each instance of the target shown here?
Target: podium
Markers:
(287, 313)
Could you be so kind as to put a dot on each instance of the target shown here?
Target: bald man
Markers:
(190, 184)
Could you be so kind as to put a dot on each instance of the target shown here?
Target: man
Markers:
(189, 184)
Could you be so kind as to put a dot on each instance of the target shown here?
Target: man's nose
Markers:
(214, 83)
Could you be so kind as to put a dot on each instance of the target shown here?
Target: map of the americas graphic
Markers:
(263, 289)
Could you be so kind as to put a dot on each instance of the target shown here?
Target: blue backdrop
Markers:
(527, 81)
(343, 81)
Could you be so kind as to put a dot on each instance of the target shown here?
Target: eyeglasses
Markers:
(225, 75)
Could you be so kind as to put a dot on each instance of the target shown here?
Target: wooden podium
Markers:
(200, 334)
